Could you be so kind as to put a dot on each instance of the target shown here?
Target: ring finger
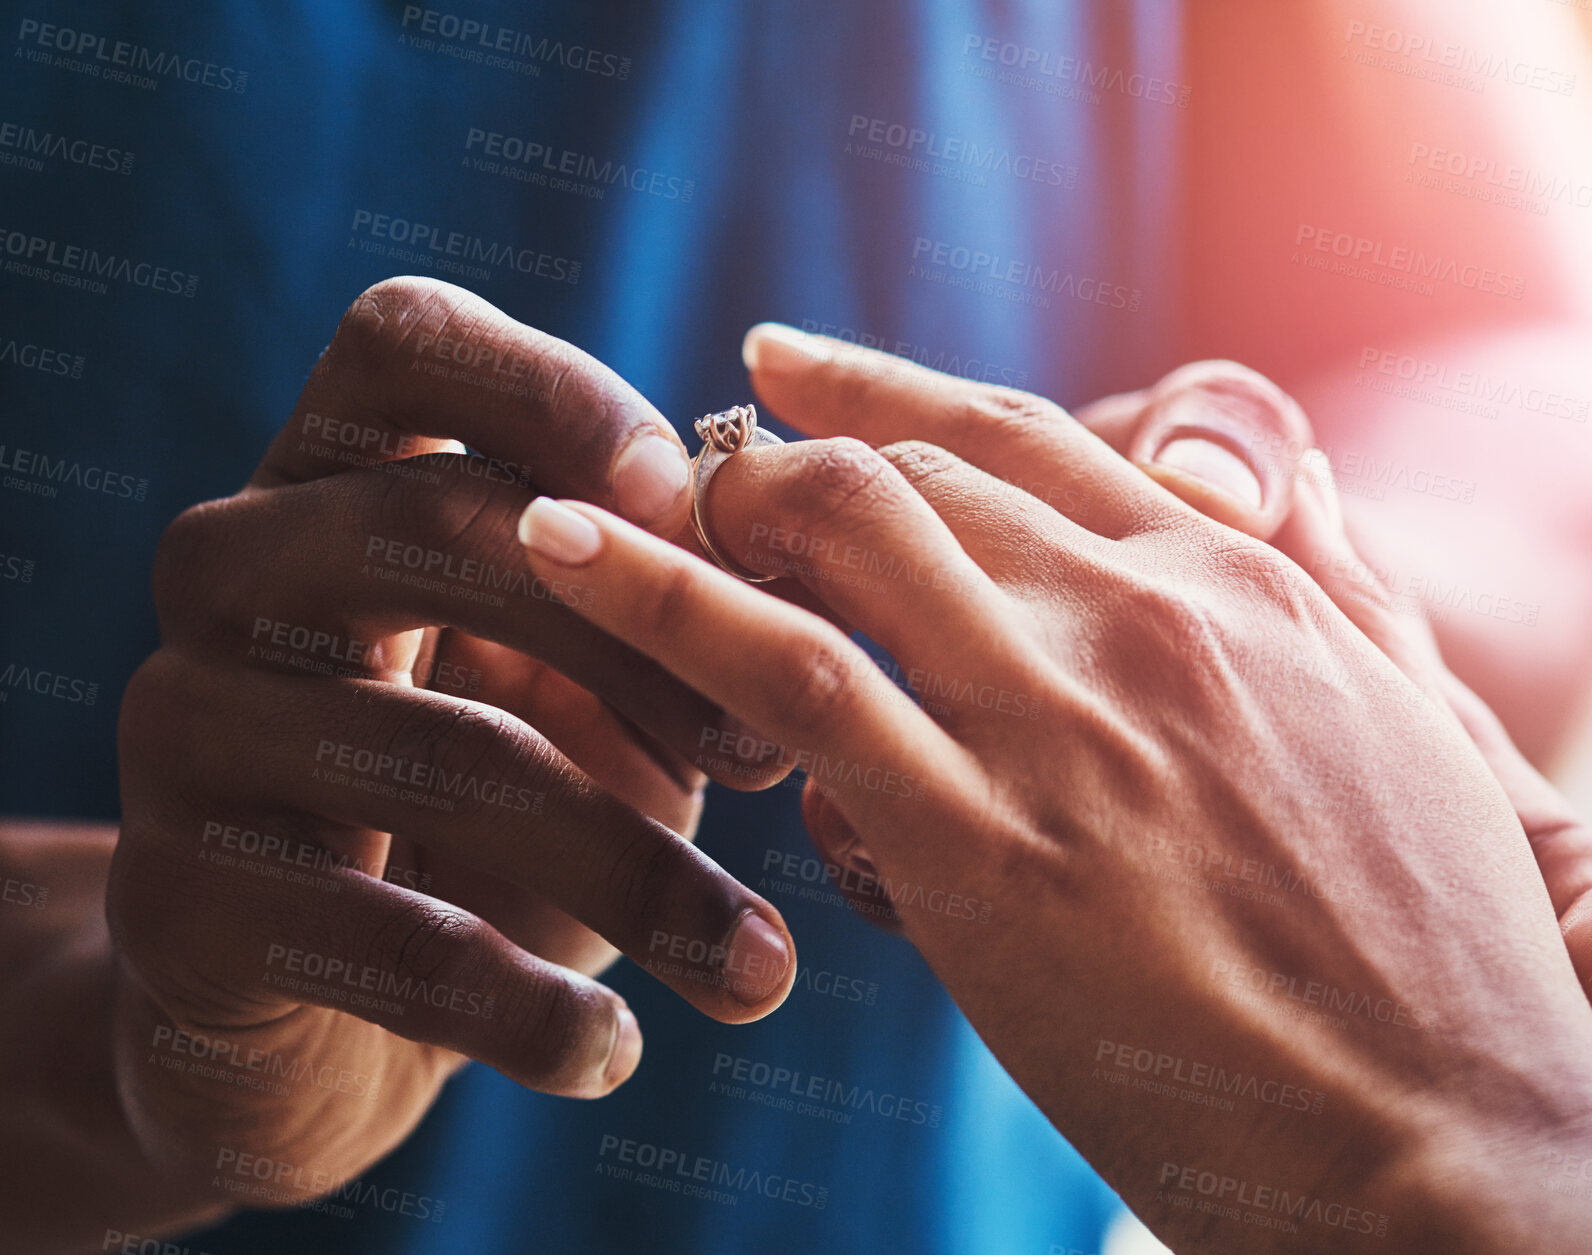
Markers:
(778, 668)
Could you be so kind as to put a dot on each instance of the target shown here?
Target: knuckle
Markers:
(1266, 578)
(646, 878)
(1261, 572)
(917, 460)
(385, 316)
(397, 291)
(1351, 582)
(458, 512)
(425, 939)
(154, 710)
(823, 687)
(838, 477)
(183, 560)
(1372, 595)
(177, 736)
(133, 924)
(1178, 618)
(157, 942)
(671, 601)
(594, 406)
(999, 411)
(454, 736)
(562, 1031)
(155, 687)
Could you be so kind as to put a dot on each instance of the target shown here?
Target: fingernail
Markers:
(627, 1049)
(1316, 468)
(1213, 464)
(649, 478)
(755, 960)
(774, 346)
(558, 533)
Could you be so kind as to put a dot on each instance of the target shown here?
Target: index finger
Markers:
(421, 366)
(827, 387)
(782, 670)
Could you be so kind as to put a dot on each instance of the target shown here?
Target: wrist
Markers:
(1501, 1185)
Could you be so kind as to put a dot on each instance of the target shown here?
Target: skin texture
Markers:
(530, 821)
(1328, 147)
(1302, 517)
(261, 555)
(1197, 690)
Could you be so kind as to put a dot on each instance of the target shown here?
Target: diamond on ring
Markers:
(728, 431)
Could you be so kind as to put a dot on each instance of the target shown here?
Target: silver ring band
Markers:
(723, 436)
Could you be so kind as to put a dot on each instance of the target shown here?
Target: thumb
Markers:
(1315, 538)
(1216, 435)
(1560, 838)
(1576, 925)
(1233, 446)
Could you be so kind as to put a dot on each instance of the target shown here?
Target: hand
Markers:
(1374, 930)
(1237, 448)
(385, 796)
